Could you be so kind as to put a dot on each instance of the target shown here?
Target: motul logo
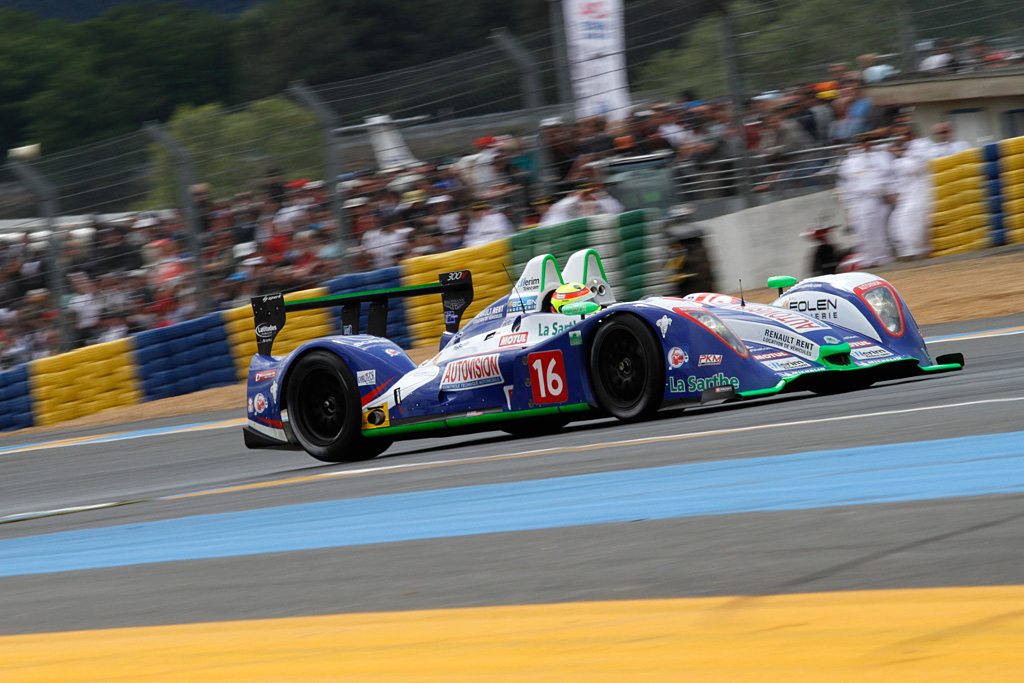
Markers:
(513, 339)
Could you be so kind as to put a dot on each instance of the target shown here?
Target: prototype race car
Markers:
(522, 368)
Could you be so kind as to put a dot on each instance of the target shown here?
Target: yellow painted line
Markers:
(930, 634)
(123, 436)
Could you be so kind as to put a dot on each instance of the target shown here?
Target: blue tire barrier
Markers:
(15, 399)
(184, 358)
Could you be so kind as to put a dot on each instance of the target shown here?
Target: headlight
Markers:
(886, 306)
(713, 324)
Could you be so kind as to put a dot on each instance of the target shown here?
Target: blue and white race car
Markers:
(520, 367)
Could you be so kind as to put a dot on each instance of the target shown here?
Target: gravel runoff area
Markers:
(951, 289)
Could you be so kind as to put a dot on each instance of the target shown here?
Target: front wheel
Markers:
(324, 409)
(627, 370)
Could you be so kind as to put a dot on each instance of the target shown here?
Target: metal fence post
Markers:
(185, 180)
(531, 94)
(906, 20)
(49, 206)
(328, 122)
(732, 68)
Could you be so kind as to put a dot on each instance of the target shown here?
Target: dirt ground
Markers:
(936, 292)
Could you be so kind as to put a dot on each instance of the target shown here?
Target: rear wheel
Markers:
(627, 370)
(324, 409)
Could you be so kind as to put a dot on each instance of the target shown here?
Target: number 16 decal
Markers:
(547, 377)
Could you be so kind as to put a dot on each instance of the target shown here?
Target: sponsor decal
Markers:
(521, 304)
(769, 356)
(545, 330)
(871, 284)
(531, 284)
(547, 377)
(859, 344)
(696, 384)
(575, 337)
(787, 364)
(793, 321)
(517, 339)
(266, 330)
(347, 329)
(869, 352)
(455, 303)
(710, 359)
(492, 313)
(366, 378)
(471, 373)
(450, 317)
(826, 308)
(677, 357)
(664, 322)
(713, 299)
(392, 352)
(508, 395)
(789, 342)
(273, 390)
(829, 339)
(259, 403)
(250, 405)
(264, 375)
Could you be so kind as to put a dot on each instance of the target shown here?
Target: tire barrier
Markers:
(15, 399)
(979, 198)
(1011, 181)
(960, 221)
(190, 356)
(302, 326)
(84, 381)
(424, 320)
(386, 278)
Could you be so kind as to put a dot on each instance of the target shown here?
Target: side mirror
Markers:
(580, 308)
(781, 282)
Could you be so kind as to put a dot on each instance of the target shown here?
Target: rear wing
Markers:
(270, 311)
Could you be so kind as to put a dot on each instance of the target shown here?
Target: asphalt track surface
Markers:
(915, 484)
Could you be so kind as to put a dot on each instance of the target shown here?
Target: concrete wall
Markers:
(762, 241)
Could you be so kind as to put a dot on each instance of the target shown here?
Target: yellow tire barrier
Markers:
(977, 245)
(959, 239)
(84, 381)
(423, 314)
(300, 328)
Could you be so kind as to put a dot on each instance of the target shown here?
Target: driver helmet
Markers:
(571, 292)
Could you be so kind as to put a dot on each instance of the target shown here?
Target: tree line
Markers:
(67, 84)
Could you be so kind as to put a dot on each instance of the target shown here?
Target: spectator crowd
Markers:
(137, 271)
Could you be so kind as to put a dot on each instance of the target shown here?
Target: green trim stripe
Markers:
(474, 420)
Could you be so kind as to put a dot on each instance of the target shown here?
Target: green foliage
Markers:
(232, 149)
(778, 47)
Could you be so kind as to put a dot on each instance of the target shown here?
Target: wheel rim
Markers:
(622, 366)
(321, 409)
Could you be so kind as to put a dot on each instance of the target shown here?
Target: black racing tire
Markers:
(535, 426)
(324, 410)
(627, 368)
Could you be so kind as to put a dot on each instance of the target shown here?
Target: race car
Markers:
(546, 354)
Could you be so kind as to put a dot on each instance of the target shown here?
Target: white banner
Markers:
(595, 43)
